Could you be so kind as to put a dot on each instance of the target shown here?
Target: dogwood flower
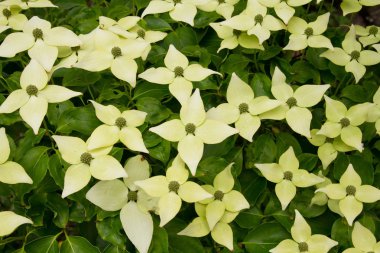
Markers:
(303, 240)
(344, 123)
(85, 163)
(9, 221)
(352, 56)
(295, 104)
(363, 240)
(33, 97)
(351, 6)
(305, 34)
(287, 176)
(224, 7)
(179, 10)
(172, 189)
(321, 198)
(351, 194)
(40, 40)
(374, 111)
(179, 74)
(284, 9)
(117, 126)
(135, 204)
(256, 20)
(242, 108)
(11, 18)
(28, 3)
(193, 130)
(368, 35)
(233, 38)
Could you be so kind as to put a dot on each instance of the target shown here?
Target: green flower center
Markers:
(309, 31)
(37, 33)
(259, 18)
(303, 247)
(141, 33)
(236, 33)
(190, 128)
(132, 196)
(329, 140)
(243, 108)
(173, 186)
(7, 13)
(355, 55)
(288, 175)
(345, 122)
(221, 1)
(350, 190)
(86, 158)
(75, 49)
(178, 71)
(291, 101)
(116, 52)
(31, 90)
(25, 1)
(219, 195)
(177, 1)
(373, 30)
(120, 122)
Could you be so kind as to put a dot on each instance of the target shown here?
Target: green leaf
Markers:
(160, 241)
(46, 244)
(304, 72)
(261, 150)
(252, 186)
(307, 161)
(208, 168)
(182, 37)
(269, 53)
(157, 24)
(26, 143)
(78, 77)
(60, 208)
(249, 218)
(355, 93)
(155, 110)
(341, 232)
(235, 63)
(115, 249)
(284, 141)
(161, 151)
(77, 244)
(109, 230)
(56, 169)
(261, 85)
(146, 89)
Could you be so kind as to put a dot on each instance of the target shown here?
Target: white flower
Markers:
(363, 240)
(284, 9)
(28, 3)
(11, 18)
(350, 6)
(374, 111)
(224, 7)
(9, 221)
(368, 35)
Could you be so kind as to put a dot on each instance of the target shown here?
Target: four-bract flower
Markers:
(351, 194)
(295, 104)
(33, 97)
(242, 108)
(284, 9)
(352, 56)
(256, 20)
(178, 73)
(85, 163)
(40, 40)
(172, 189)
(193, 130)
(11, 18)
(305, 34)
(374, 111)
(304, 240)
(135, 204)
(117, 126)
(350, 6)
(222, 7)
(344, 123)
(287, 176)
(363, 240)
(26, 4)
(368, 35)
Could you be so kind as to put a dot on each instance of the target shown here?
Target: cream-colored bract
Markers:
(363, 240)
(28, 4)
(9, 221)
(284, 9)
(351, 6)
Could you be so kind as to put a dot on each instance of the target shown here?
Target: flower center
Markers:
(243, 108)
(75, 49)
(372, 30)
(177, 1)
(37, 33)
(173, 186)
(221, 1)
(7, 13)
(288, 175)
(350, 190)
(31, 90)
(190, 128)
(141, 33)
(355, 55)
(120, 122)
(303, 247)
(329, 140)
(259, 18)
(116, 52)
(345, 122)
(86, 158)
(236, 33)
(132, 196)
(291, 101)
(309, 31)
(178, 71)
(219, 195)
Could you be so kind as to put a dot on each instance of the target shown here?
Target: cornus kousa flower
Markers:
(40, 40)
(351, 6)
(305, 34)
(295, 104)
(134, 203)
(351, 194)
(284, 9)
(242, 108)
(363, 240)
(368, 35)
(85, 163)
(172, 189)
(179, 74)
(287, 176)
(352, 56)
(193, 130)
(9, 221)
(374, 111)
(179, 10)
(303, 240)
(35, 95)
(344, 123)
(222, 7)
(117, 126)
(11, 18)
(26, 4)
(233, 38)
(255, 20)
